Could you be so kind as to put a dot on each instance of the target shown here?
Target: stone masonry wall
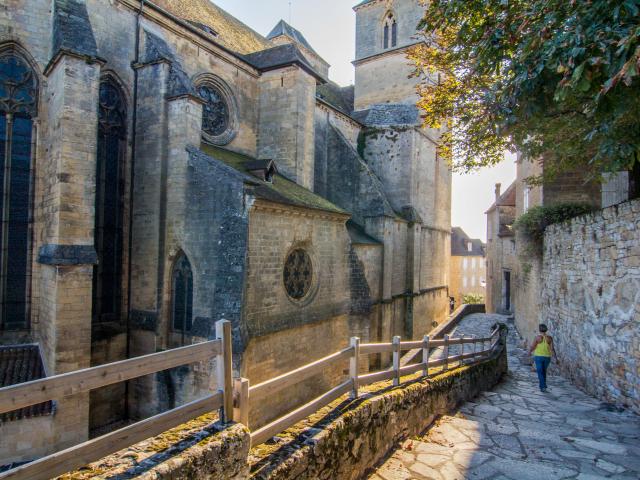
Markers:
(591, 301)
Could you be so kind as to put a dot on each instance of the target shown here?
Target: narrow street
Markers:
(516, 432)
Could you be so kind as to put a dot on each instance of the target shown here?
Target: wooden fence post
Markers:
(396, 360)
(425, 355)
(241, 401)
(354, 365)
(445, 353)
(225, 370)
(475, 349)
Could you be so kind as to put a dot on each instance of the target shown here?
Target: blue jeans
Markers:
(542, 363)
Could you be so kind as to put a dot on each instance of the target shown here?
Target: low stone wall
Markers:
(591, 301)
(196, 450)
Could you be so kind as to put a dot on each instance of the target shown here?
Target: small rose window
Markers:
(298, 274)
(215, 112)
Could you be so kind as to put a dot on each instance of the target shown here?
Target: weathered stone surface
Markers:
(531, 438)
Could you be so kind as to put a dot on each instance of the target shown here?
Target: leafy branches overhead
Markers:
(557, 78)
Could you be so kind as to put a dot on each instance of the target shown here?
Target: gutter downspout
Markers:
(134, 119)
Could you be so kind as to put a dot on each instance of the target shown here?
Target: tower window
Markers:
(390, 31)
(18, 94)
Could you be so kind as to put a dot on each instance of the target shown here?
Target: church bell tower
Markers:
(385, 30)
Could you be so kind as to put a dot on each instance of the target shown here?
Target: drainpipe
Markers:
(134, 120)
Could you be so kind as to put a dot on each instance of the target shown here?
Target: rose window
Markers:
(298, 274)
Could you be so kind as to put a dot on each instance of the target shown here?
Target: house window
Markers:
(182, 296)
(464, 282)
(112, 133)
(465, 264)
(18, 107)
(525, 202)
(390, 32)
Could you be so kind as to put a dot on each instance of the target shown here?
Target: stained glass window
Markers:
(298, 274)
(18, 104)
(215, 111)
(182, 285)
(394, 34)
(107, 278)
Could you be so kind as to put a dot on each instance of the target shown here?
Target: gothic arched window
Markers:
(390, 31)
(112, 133)
(182, 296)
(18, 107)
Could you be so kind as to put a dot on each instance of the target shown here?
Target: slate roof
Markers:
(389, 114)
(19, 364)
(460, 244)
(364, 3)
(283, 28)
(231, 32)
(281, 190)
(507, 199)
(280, 56)
(341, 98)
(72, 30)
(359, 236)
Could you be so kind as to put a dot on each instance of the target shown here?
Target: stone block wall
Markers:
(591, 300)
(287, 103)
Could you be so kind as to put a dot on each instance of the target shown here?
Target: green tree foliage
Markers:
(557, 78)
(533, 223)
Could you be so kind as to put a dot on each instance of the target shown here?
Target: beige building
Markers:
(171, 167)
(468, 268)
(501, 251)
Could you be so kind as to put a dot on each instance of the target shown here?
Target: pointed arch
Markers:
(19, 90)
(109, 202)
(390, 30)
(182, 295)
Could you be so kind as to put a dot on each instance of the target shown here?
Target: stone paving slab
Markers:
(515, 432)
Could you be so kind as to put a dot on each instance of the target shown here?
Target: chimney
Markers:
(498, 187)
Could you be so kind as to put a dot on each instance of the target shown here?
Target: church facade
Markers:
(164, 167)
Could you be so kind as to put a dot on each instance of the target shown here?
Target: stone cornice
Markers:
(266, 206)
(403, 49)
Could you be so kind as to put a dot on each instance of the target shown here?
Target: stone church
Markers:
(163, 166)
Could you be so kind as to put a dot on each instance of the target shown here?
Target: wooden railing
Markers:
(231, 396)
(480, 348)
(60, 386)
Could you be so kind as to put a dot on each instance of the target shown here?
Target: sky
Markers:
(329, 26)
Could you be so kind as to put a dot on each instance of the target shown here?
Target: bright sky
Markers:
(329, 26)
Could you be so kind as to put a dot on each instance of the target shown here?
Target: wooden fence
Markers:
(480, 349)
(231, 396)
(60, 386)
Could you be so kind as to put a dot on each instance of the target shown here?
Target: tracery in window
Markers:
(298, 274)
(112, 132)
(18, 107)
(215, 111)
(182, 296)
(390, 32)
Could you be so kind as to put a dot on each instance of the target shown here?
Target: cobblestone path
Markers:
(515, 432)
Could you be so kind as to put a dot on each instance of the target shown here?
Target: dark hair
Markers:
(543, 328)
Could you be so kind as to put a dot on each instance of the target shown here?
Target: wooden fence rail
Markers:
(60, 386)
(231, 396)
(357, 380)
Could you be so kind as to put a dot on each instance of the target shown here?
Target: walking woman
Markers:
(542, 350)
